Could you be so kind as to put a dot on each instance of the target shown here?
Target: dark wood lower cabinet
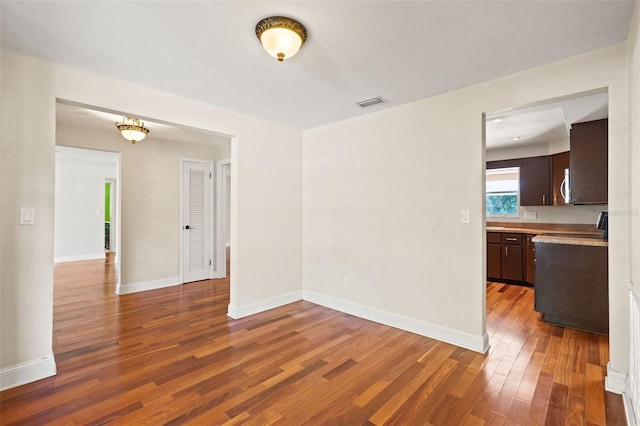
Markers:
(529, 261)
(512, 262)
(571, 286)
(505, 256)
(494, 261)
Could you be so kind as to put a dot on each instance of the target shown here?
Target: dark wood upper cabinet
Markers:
(502, 164)
(535, 181)
(589, 162)
(559, 162)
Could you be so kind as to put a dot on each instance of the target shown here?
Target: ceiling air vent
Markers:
(371, 102)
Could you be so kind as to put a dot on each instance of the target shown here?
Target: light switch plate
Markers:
(530, 215)
(27, 216)
(465, 216)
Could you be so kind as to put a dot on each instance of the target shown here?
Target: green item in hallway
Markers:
(107, 202)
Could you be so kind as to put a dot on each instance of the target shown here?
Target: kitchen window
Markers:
(502, 192)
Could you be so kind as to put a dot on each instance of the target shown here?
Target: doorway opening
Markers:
(535, 140)
(83, 225)
(151, 254)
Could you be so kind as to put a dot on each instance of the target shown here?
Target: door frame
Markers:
(115, 222)
(221, 197)
(212, 216)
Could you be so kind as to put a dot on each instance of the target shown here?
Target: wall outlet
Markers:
(27, 216)
(347, 284)
(530, 215)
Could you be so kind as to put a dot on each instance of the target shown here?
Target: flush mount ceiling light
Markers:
(280, 36)
(132, 129)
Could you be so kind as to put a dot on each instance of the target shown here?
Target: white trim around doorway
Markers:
(221, 197)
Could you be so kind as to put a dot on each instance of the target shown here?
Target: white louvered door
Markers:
(196, 221)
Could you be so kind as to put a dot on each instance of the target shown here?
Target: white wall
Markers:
(266, 199)
(377, 210)
(224, 152)
(583, 214)
(79, 211)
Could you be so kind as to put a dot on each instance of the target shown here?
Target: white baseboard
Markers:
(615, 381)
(458, 338)
(27, 372)
(148, 285)
(94, 256)
(237, 312)
(629, 409)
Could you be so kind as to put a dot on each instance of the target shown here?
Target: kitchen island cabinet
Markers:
(571, 282)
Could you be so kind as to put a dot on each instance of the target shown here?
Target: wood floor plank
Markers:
(557, 404)
(594, 395)
(507, 393)
(385, 412)
(540, 400)
(172, 356)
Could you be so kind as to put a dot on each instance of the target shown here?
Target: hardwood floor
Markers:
(172, 356)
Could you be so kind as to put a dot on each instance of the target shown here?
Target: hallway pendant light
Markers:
(280, 36)
(132, 129)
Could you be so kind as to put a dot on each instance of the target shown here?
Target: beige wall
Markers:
(634, 143)
(266, 199)
(383, 196)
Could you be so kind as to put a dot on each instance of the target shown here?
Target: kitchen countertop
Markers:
(573, 239)
(538, 231)
(555, 234)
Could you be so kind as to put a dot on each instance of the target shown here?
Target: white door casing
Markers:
(222, 220)
(197, 229)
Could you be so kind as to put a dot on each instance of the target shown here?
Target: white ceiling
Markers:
(547, 122)
(402, 51)
(78, 115)
(87, 157)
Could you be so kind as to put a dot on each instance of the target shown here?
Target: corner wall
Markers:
(383, 196)
(266, 227)
(632, 391)
(634, 144)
